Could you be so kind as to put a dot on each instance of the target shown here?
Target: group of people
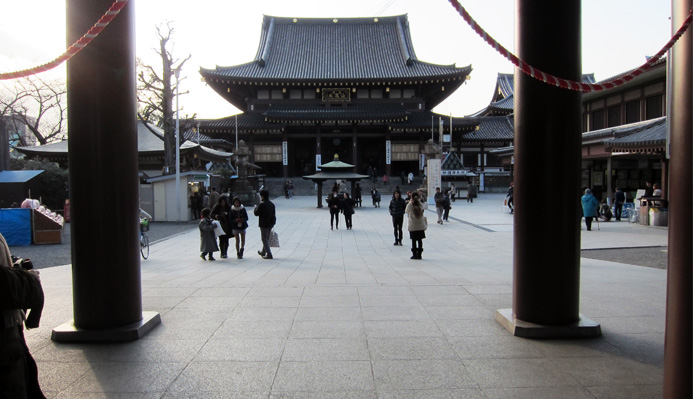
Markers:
(340, 203)
(233, 220)
(592, 209)
(443, 205)
(197, 201)
(288, 187)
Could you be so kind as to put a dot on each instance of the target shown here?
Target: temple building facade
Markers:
(352, 87)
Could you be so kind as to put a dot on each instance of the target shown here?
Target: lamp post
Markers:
(177, 73)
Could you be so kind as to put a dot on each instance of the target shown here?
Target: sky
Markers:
(616, 37)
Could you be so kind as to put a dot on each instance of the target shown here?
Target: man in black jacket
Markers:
(265, 212)
(397, 211)
(19, 289)
(619, 199)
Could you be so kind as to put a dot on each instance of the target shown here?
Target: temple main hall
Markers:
(347, 86)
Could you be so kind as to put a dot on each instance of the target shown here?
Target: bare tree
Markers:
(39, 104)
(155, 91)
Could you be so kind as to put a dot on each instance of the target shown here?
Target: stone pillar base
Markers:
(67, 332)
(583, 328)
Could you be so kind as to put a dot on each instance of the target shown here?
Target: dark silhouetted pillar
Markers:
(678, 323)
(547, 165)
(104, 180)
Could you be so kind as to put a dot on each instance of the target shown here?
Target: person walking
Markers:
(214, 197)
(454, 192)
(348, 210)
(410, 177)
(471, 191)
(397, 212)
(439, 201)
(334, 204)
(590, 206)
(357, 195)
(509, 198)
(416, 225)
(446, 206)
(220, 212)
(266, 221)
(208, 241)
(619, 199)
(385, 179)
(290, 189)
(375, 197)
(238, 219)
(20, 289)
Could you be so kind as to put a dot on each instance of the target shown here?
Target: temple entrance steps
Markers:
(307, 187)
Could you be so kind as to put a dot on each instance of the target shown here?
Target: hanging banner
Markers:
(318, 161)
(387, 152)
(422, 161)
(284, 153)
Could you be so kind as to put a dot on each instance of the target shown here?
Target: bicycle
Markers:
(144, 238)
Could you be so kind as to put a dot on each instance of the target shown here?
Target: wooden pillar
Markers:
(546, 261)
(677, 382)
(318, 149)
(319, 193)
(610, 189)
(102, 153)
(355, 149)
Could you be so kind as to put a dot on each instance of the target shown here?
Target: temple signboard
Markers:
(340, 94)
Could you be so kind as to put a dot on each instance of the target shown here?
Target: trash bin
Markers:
(658, 216)
(632, 215)
(643, 213)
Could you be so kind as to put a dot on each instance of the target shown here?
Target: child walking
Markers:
(208, 241)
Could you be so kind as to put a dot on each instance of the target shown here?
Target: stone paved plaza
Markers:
(345, 314)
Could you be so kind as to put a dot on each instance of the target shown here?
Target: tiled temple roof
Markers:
(335, 49)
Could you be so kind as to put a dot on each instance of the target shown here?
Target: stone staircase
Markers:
(307, 187)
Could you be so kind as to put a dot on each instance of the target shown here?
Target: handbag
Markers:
(274, 239)
(218, 231)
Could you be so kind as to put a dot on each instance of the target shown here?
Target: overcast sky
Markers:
(617, 35)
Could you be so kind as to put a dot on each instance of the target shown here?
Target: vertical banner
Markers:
(284, 153)
(422, 161)
(387, 152)
(318, 161)
(433, 178)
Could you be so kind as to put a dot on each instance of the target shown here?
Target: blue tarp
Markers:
(15, 226)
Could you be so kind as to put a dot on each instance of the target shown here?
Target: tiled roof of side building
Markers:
(621, 130)
(648, 135)
(492, 128)
(337, 49)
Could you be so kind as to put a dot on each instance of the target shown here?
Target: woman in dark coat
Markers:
(208, 242)
(348, 210)
(334, 203)
(220, 212)
(397, 212)
(238, 219)
(19, 289)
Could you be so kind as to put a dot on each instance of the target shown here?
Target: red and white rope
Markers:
(564, 83)
(83, 41)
